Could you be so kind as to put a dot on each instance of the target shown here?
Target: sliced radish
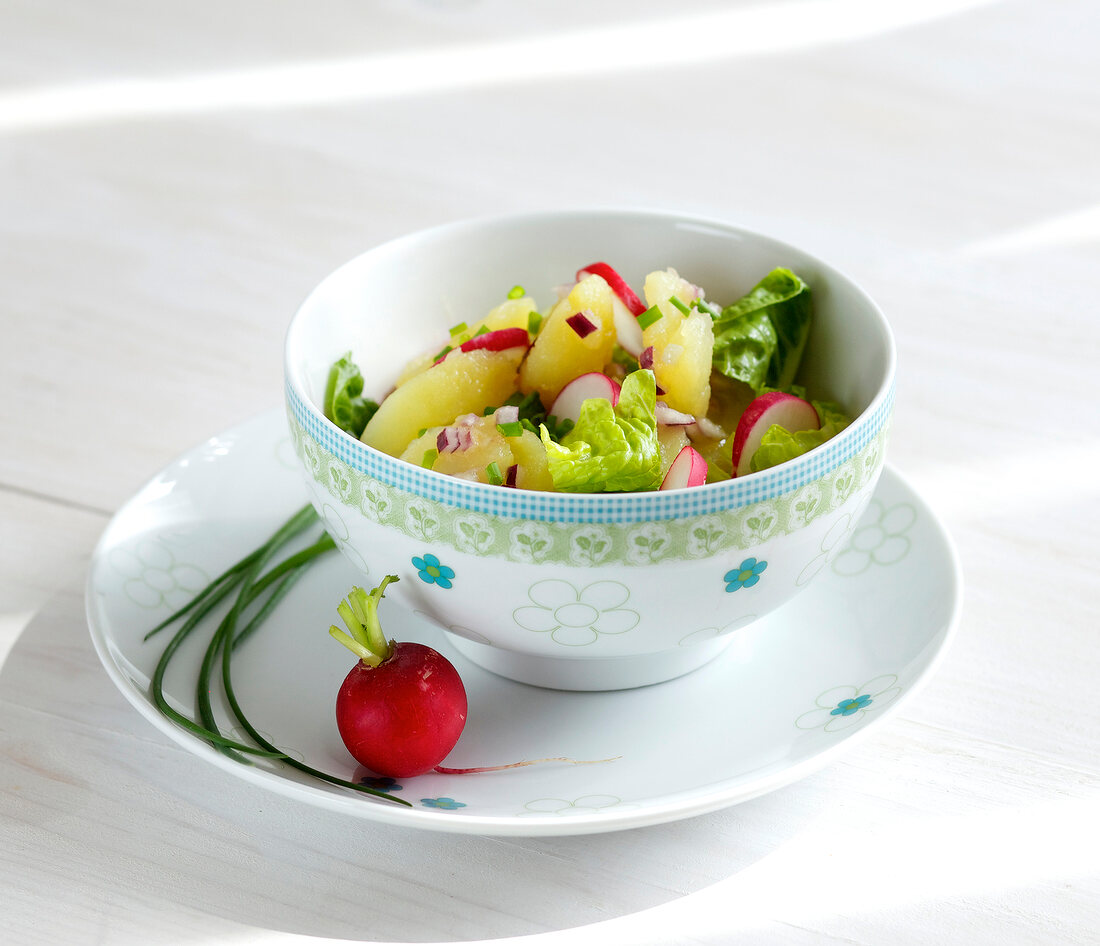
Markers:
(567, 405)
(625, 306)
(498, 341)
(688, 469)
(617, 283)
(628, 330)
(672, 418)
(775, 407)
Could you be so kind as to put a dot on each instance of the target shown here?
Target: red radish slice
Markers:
(672, 418)
(688, 469)
(775, 407)
(567, 405)
(498, 341)
(617, 283)
(628, 330)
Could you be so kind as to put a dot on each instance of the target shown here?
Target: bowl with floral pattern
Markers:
(582, 591)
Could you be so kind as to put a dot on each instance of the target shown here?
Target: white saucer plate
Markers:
(792, 691)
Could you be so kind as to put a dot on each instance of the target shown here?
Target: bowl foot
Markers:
(591, 673)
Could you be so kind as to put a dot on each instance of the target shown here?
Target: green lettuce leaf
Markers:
(778, 445)
(610, 449)
(760, 338)
(344, 404)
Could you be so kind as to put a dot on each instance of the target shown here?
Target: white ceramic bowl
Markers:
(587, 592)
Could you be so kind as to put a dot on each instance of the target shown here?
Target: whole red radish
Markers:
(402, 707)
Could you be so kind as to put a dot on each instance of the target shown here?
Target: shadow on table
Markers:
(120, 828)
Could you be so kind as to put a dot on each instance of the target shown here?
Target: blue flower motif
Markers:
(848, 707)
(745, 575)
(429, 570)
(382, 784)
(449, 804)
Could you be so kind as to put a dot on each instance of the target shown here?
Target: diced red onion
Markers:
(510, 476)
(670, 417)
(453, 439)
(645, 359)
(582, 323)
(508, 414)
(467, 420)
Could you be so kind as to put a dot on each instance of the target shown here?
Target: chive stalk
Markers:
(264, 591)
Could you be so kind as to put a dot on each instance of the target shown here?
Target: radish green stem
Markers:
(359, 612)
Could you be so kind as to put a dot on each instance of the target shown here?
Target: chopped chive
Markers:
(558, 428)
(620, 356)
(428, 460)
(647, 318)
(484, 330)
(534, 321)
(494, 474)
(458, 329)
(676, 301)
(422, 431)
(527, 425)
(517, 292)
(511, 429)
(709, 307)
(446, 350)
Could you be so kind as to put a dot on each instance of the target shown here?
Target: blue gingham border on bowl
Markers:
(602, 507)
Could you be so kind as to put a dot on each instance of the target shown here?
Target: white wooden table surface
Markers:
(174, 177)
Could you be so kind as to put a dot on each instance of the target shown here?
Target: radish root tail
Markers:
(444, 770)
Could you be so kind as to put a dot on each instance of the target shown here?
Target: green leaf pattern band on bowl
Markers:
(519, 525)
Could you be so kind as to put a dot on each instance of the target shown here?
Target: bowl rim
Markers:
(430, 485)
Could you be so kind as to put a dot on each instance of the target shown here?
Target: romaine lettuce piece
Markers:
(610, 449)
(344, 404)
(759, 339)
(779, 445)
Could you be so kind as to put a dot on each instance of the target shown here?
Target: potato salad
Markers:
(606, 390)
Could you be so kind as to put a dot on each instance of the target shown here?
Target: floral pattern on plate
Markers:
(841, 707)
